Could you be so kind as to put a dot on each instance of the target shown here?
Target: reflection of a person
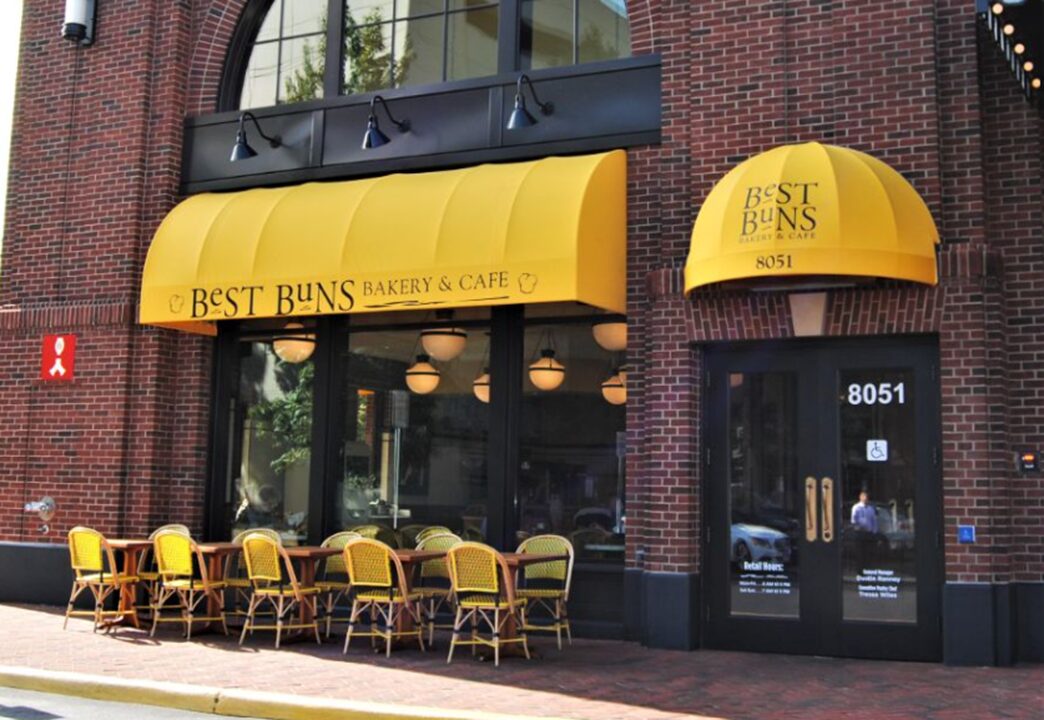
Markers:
(864, 516)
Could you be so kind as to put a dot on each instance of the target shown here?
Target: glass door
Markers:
(823, 499)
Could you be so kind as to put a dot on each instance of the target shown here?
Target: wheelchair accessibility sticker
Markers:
(877, 450)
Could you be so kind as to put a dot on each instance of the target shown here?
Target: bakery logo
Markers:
(177, 302)
(527, 283)
(780, 211)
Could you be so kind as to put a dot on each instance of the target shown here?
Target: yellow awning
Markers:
(812, 209)
(545, 231)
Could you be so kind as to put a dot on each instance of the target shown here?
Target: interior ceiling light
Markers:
(611, 336)
(1019, 48)
(1028, 66)
(444, 344)
(373, 137)
(1009, 29)
(1035, 83)
(422, 377)
(547, 373)
(997, 8)
(242, 150)
(614, 390)
(520, 116)
(481, 386)
(294, 348)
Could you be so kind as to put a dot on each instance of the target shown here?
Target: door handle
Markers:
(811, 531)
(827, 498)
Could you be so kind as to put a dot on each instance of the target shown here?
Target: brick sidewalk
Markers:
(595, 680)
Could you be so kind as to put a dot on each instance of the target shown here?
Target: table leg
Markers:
(306, 578)
(128, 591)
(215, 573)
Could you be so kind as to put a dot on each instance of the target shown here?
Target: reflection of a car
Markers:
(757, 542)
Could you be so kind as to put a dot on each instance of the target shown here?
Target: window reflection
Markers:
(571, 479)
(288, 58)
(548, 39)
(409, 459)
(271, 436)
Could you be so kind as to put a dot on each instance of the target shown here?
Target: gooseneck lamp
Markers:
(242, 150)
(373, 137)
(520, 116)
(422, 377)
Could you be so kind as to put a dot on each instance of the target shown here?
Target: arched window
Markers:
(282, 53)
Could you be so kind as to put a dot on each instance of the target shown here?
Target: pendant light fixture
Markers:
(294, 348)
(547, 373)
(614, 390)
(422, 377)
(481, 386)
(444, 344)
(611, 335)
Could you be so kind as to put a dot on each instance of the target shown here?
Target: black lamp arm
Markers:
(403, 125)
(273, 141)
(546, 108)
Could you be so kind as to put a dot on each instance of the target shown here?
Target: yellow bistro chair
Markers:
(148, 574)
(379, 586)
(434, 584)
(377, 532)
(428, 532)
(546, 585)
(485, 594)
(94, 567)
(333, 576)
(274, 582)
(235, 575)
(174, 553)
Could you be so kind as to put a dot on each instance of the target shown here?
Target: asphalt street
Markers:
(27, 705)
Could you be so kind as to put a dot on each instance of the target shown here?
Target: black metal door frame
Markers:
(820, 629)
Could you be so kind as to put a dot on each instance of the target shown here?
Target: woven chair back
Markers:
(369, 563)
(172, 527)
(173, 554)
(263, 560)
(559, 570)
(267, 532)
(334, 565)
(377, 532)
(408, 535)
(428, 532)
(85, 550)
(473, 568)
(437, 568)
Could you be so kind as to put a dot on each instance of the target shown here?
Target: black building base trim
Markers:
(661, 609)
(993, 624)
(35, 573)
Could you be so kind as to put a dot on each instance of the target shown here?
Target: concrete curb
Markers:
(231, 702)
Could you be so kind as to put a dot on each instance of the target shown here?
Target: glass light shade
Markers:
(997, 8)
(547, 373)
(1019, 48)
(1035, 83)
(444, 344)
(481, 386)
(614, 390)
(294, 349)
(1028, 66)
(611, 336)
(1009, 29)
(422, 377)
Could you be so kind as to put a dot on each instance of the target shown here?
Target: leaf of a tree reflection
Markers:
(369, 61)
(287, 419)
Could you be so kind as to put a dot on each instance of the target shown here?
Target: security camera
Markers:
(79, 21)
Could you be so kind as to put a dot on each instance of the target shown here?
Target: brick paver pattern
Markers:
(595, 680)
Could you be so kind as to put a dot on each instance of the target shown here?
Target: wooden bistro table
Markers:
(131, 550)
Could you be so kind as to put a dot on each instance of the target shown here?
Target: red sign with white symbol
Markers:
(59, 357)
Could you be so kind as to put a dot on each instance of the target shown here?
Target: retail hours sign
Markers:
(58, 358)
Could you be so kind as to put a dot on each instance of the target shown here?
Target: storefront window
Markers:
(564, 32)
(571, 479)
(270, 442)
(417, 42)
(410, 459)
(288, 58)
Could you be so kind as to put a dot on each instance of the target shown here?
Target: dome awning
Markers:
(551, 230)
(812, 210)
